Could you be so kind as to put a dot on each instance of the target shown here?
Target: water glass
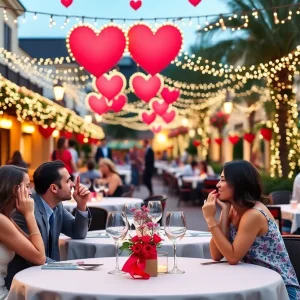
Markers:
(129, 209)
(155, 211)
(86, 182)
(117, 228)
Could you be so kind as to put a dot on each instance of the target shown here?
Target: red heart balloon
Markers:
(118, 103)
(154, 51)
(66, 134)
(135, 4)
(148, 118)
(110, 85)
(159, 107)
(170, 95)
(219, 141)
(97, 52)
(97, 103)
(196, 143)
(46, 132)
(156, 129)
(169, 116)
(233, 139)
(249, 137)
(66, 3)
(146, 87)
(195, 2)
(266, 133)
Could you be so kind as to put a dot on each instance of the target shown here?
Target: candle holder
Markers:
(162, 262)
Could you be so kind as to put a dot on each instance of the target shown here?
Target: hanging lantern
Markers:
(59, 91)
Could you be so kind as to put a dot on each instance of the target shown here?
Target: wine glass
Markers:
(86, 182)
(97, 186)
(105, 189)
(175, 228)
(155, 211)
(129, 209)
(117, 228)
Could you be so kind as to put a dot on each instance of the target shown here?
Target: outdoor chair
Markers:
(99, 216)
(276, 213)
(280, 197)
(292, 244)
(128, 190)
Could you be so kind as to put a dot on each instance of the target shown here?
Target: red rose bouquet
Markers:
(219, 120)
(142, 247)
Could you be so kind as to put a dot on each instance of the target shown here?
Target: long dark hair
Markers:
(60, 146)
(10, 178)
(246, 182)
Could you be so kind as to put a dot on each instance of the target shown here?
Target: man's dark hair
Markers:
(91, 165)
(47, 174)
(72, 143)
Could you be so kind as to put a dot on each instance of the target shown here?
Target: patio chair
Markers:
(186, 193)
(276, 213)
(99, 217)
(280, 197)
(128, 190)
(292, 244)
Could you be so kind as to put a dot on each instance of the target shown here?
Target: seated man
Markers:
(52, 186)
(190, 170)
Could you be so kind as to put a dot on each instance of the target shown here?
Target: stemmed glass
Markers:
(175, 228)
(129, 209)
(117, 228)
(86, 182)
(105, 189)
(155, 211)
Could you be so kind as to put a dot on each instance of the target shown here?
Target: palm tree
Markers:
(263, 41)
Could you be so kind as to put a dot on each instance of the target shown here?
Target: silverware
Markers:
(213, 262)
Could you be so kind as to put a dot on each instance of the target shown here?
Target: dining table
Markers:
(291, 213)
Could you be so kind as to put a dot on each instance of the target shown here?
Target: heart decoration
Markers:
(233, 139)
(160, 107)
(93, 141)
(156, 128)
(148, 118)
(135, 4)
(195, 2)
(219, 141)
(146, 87)
(249, 137)
(66, 134)
(154, 51)
(46, 132)
(66, 3)
(80, 138)
(97, 52)
(97, 103)
(170, 95)
(209, 141)
(196, 143)
(266, 133)
(118, 103)
(169, 116)
(110, 85)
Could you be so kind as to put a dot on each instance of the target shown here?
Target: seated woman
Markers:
(203, 169)
(15, 194)
(111, 177)
(247, 230)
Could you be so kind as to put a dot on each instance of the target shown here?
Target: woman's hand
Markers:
(225, 205)
(209, 208)
(24, 203)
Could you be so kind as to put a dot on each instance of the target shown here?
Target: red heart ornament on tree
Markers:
(146, 87)
(97, 103)
(170, 95)
(195, 2)
(249, 137)
(169, 116)
(219, 141)
(148, 118)
(110, 85)
(233, 139)
(46, 132)
(66, 3)
(118, 103)
(97, 52)
(156, 129)
(154, 51)
(66, 134)
(266, 133)
(158, 106)
(135, 4)
(196, 143)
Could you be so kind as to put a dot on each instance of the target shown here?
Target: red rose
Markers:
(135, 239)
(147, 250)
(137, 248)
(146, 239)
(156, 239)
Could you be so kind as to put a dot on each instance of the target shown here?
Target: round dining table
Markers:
(109, 203)
(209, 282)
(98, 244)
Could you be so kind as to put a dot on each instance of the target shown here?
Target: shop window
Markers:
(7, 37)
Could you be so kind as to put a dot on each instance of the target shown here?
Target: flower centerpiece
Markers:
(219, 120)
(142, 263)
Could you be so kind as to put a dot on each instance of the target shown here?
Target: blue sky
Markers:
(113, 9)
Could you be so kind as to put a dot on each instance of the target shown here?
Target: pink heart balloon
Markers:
(135, 4)
(154, 51)
(169, 116)
(97, 52)
(159, 107)
(110, 85)
(118, 103)
(156, 129)
(195, 2)
(97, 103)
(146, 87)
(66, 3)
(170, 95)
(148, 118)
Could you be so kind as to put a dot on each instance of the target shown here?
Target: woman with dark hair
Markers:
(17, 160)
(15, 194)
(63, 154)
(246, 229)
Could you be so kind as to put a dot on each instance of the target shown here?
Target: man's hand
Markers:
(81, 195)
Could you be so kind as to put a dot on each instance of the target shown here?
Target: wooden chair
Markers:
(292, 244)
(128, 190)
(276, 213)
(186, 193)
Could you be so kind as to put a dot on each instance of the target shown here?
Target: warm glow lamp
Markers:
(28, 129)
(5, 124)
(227, 106)
(59, 91)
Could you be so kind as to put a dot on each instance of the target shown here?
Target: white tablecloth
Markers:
(194, 180)
(291, 214)
(110, 203)
(191, 245)
(217, 282)
(126, 173)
